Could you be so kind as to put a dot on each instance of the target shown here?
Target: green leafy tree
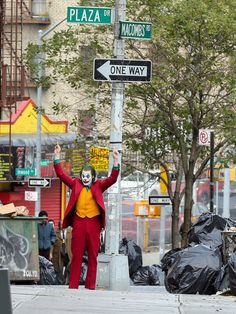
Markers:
(192, 87)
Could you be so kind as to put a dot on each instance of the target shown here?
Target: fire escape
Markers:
(13, 76)
(12, 72)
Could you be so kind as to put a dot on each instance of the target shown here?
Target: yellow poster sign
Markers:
(99, 158)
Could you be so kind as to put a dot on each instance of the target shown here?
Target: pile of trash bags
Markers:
(140, 275)
(201, 266)
(48, 275)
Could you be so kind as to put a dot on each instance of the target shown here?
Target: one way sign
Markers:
(37, 182)
(122, 70)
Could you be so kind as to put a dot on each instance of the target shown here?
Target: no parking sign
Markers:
(204, 137)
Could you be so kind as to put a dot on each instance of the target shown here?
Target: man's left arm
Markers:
(106, 183)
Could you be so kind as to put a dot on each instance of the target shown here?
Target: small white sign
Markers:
(31, 196)
(204, 137)
(159, 200)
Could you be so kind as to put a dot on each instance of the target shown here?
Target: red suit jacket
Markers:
(97, 188)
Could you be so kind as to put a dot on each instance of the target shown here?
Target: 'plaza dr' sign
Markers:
(89, 15)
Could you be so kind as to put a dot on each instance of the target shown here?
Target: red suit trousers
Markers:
(85, 235)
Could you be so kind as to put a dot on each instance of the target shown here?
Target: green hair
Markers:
(88, 167)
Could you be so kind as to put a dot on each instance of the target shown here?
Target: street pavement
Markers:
(147, 299)
(36, 299)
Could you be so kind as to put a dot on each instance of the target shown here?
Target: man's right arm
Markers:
(58, 167)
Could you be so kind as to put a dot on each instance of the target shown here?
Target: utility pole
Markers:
(40, 60)
(111, 264)
(212, 145)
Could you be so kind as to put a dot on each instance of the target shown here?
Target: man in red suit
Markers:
(85, 212)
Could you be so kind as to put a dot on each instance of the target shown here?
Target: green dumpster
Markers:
(19, 247)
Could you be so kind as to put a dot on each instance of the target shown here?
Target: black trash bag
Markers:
(207, 230)
(48, 275)
(168, 259)
(83, 275)
(222, 280)
(194, 270)
(134, 253)
(147, 276)
(232, 273)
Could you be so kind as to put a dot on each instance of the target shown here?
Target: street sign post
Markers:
(89, 15)
(138, 30)
(122, 70)
(42, 182)
(159, 200)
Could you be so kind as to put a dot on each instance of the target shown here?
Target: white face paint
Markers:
(86, 177)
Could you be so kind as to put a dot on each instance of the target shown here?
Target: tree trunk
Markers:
(175, 236)
(188, 202)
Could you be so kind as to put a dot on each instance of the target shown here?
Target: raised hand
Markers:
(115, 156)
(57, 151)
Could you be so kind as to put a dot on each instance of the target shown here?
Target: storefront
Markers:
(18, 155)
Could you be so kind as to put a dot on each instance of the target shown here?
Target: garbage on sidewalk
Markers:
(193, 270)
(208, 229)
(232, 273)
(148, 276)
(140, 275)
(48, 275)
(199, 268)
(10, 210)
(134, 253)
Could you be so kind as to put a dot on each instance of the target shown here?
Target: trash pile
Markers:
(10, 210)
(140, 275)
(48, 275)
(206, 266)
(202, 267)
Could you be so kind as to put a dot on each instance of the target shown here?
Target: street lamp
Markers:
(40, 60)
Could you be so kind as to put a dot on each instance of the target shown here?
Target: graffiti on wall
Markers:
(13, 249)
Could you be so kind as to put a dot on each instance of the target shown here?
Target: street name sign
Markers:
(138, 30)
(39, 182)
(44, 162)
(122, 70)
(159, 200)
(25, 172)
(89, 15)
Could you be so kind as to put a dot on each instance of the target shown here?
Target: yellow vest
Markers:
(86, 205)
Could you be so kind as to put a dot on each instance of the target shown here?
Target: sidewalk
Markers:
(148, 300)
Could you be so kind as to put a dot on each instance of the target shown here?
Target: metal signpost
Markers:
(92, 15)
(163, 201)
(113, 271)
(137, 30)
(122, 70)
(43, 182)
(40, 60)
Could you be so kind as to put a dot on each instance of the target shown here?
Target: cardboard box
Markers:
(7, 210)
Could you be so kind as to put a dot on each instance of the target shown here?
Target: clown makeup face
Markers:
(86, 177)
